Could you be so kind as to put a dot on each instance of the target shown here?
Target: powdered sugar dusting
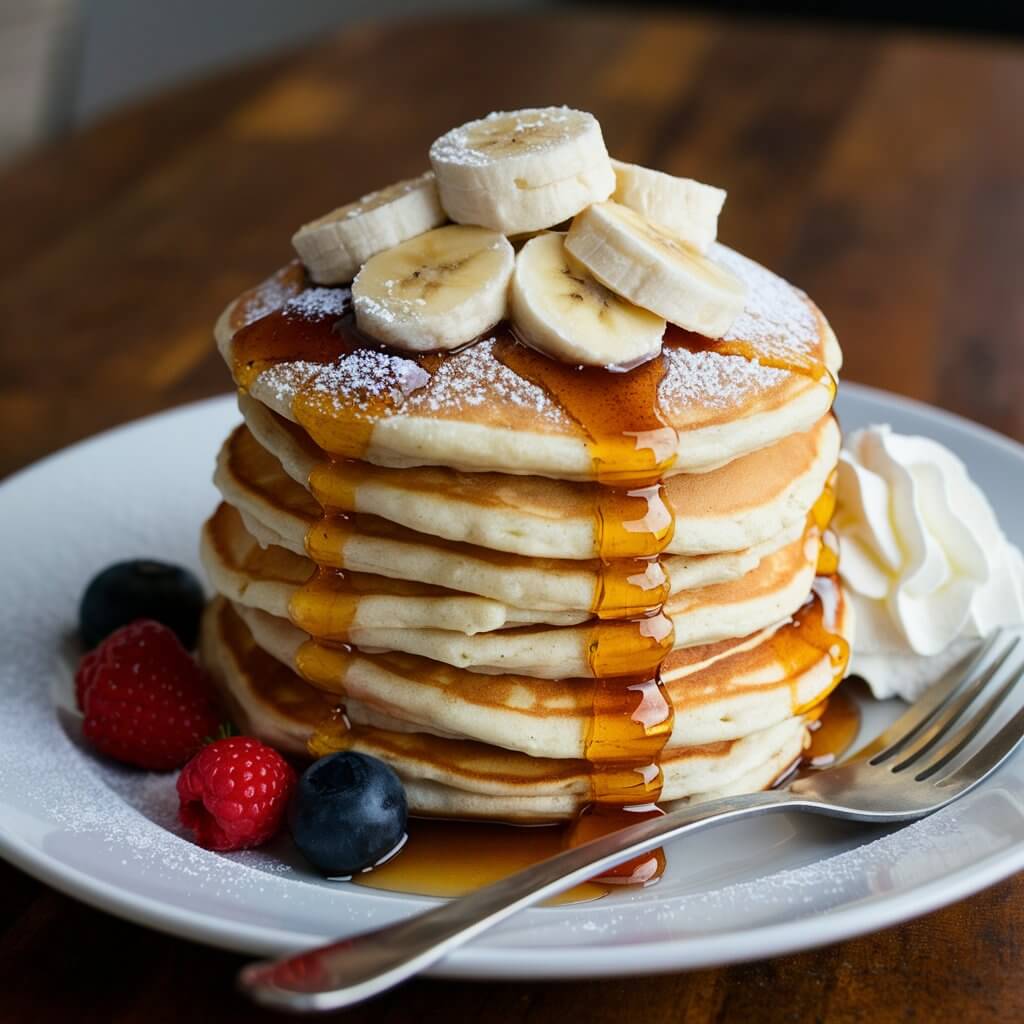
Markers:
(475, 376)
(543, 128)
(395, 310)
(372, 373)
(358, 382)
(778, 319)
(379, 197)
(270, 295)
(709, 380)
(315, 304)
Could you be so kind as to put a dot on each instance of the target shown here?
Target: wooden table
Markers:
(882, 172)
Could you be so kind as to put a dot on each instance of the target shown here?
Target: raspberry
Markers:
(145, 701)
(234, 793)
(85, 675)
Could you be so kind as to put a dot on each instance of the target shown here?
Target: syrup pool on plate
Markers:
(452, 858)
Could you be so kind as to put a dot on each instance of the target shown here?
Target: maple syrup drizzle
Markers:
(324, 664)
(292, 335)
(825, 506)
(326, 605)
(631, 446)
(334, 484)
(833, 731)
(318, 334)
(832, 727)
(821, 515)
(813, 632)
(828, 554)
(334, 733)
(325, 539)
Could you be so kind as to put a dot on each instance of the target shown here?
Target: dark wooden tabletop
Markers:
(882, 172)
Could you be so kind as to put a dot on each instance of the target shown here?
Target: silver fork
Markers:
(931, 756)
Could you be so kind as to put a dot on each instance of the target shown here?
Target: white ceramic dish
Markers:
(109, 836)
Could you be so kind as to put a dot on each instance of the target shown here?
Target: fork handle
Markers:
(354, 969)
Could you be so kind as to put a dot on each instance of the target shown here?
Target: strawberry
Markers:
(234, 793)
(145, 700)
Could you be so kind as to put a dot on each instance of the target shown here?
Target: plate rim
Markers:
(511, 963)
(569, 961)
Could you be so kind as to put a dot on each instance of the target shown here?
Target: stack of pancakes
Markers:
(419, 558)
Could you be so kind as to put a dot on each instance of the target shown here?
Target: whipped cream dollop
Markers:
(926, 565)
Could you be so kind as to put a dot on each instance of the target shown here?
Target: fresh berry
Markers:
(85, 674)
(145, 700)
(348, 813)
(128, 591)
(234, 793)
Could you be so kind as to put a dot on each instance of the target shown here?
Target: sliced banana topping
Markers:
(336, 245)
(522, 171)
(654, 269)
(436, 291)
(597, 296)
(560, 309)
(686, 208)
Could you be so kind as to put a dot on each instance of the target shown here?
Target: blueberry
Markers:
(141, 589)
(347, 813)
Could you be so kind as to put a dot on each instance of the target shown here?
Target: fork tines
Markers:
(941, 725)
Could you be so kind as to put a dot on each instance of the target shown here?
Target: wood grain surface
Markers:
(882, 172)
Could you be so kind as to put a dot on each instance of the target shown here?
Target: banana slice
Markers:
(336, 245)
(655, 270)
(686, 208)
(522, 171)
(436, 291)
(558, 307)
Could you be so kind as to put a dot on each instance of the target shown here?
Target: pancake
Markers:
(742, 504)
(268, 578)
(277, 511)
(462, 778)
(770, 592)
(770, 376)
(720, 691)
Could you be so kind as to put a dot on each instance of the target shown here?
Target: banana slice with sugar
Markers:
(686, 208)
(335, 246)
(654, 269)
(436, 291)
(559, 308)
(523, 170)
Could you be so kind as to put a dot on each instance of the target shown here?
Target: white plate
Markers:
(109, 837)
